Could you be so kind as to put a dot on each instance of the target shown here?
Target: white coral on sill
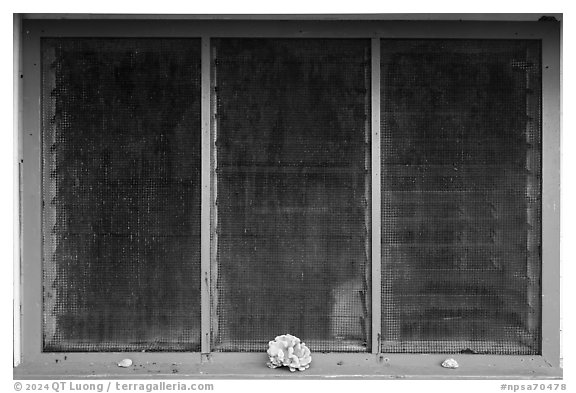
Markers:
(287, 350)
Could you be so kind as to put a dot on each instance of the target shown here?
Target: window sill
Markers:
(253, 366)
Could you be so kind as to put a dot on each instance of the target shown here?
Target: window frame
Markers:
(30, 362)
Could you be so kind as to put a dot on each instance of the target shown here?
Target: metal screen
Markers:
(292, 145)
(461, 194)
(290, 230)
(121, 194)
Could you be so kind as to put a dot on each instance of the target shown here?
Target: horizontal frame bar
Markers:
(285, 29)
(419, 17)
(324, 365)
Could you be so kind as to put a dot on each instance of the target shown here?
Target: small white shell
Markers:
(450, 363)
(125, 363)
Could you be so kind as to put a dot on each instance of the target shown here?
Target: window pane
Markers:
(461, 196)
(121, 129)
(292, 166)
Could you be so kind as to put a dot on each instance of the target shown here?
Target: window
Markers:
(292, 185)
(192, 190)
(461, 176)
(121, 194)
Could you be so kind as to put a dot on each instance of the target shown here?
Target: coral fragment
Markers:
(288, 351)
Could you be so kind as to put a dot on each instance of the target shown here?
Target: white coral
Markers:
(287, 350)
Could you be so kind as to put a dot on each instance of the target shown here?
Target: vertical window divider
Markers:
(206, 202)
(376, 198)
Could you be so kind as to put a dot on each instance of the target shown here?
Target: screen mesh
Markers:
(121, 158)
(291, 127)
(461, 175)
